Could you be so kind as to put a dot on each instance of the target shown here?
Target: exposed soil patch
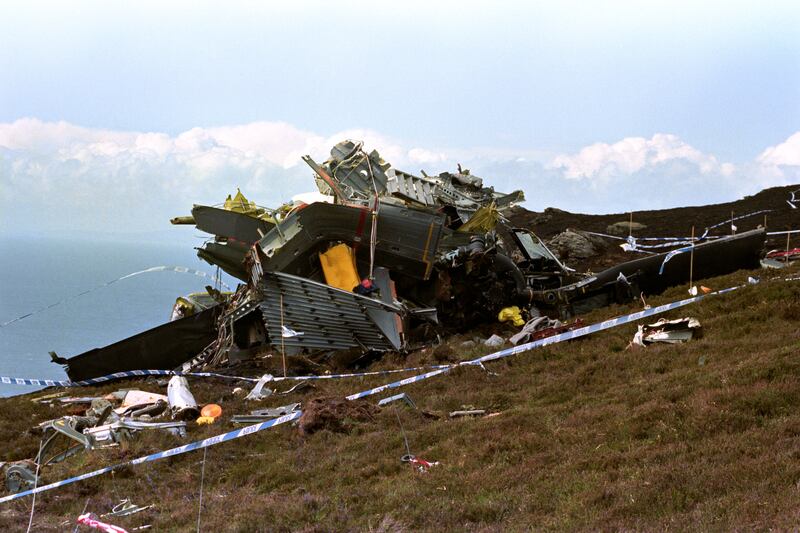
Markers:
(335, 414)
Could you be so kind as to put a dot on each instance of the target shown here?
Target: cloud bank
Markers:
(56, 176)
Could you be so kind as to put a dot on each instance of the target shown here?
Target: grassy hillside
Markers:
(589, 435)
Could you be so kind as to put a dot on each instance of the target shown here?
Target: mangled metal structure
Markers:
(387, 259)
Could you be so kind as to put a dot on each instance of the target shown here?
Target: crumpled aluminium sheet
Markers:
(668, 331)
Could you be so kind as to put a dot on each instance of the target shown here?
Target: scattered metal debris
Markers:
(380, 260)
(261, 415)
(420, 465)
(125, 508)
(299, 387)
(181, 402)
(398, 397)
(48, 398)
(469, 412)
(542, 327)
(69, 435)
(668, 332)
(19, 475)
(258, 392)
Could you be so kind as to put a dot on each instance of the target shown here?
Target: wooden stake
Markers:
(630, 226)
(691, 261)
(786, 259)
(283, 346)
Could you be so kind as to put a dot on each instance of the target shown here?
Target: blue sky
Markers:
(115, 114)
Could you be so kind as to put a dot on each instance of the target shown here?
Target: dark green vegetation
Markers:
(676, 222)
(590, 435)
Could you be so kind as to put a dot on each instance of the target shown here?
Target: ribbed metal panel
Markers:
(327, 318)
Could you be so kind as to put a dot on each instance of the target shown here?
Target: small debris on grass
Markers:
(495, 341)
(470, 412)
(420, 465)
(668, 332)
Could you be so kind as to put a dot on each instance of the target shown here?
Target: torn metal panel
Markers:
(117, 431)
(20, 475)
(258, 393)
(229, 256)
(193, 303)
(230, 224)
(507, 200)
(181, 401)
(357, 171)
(412, 188)
(161, 348)
(70, 427)
(398, 397)
(465, 192)
(390, 324)
(668, 332)
(316, 316)
(407, 239)
(275, 412)
(711, 258)
(352, 174)
(627, 280)
(355, 177)
(261, 415)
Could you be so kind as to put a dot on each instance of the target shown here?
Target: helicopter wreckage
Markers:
(383, 260)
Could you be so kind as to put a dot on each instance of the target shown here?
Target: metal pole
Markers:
(691, 261)
(786, 259)
(630, 226)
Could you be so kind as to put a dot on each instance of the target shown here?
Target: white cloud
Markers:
(425, 157)
(103, 177)
(82, 179)
(786, 153)
(634, 154)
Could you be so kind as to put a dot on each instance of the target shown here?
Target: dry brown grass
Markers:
(702, 436)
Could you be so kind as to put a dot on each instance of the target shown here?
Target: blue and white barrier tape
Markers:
(683, 240)
(792, 199)
(672, 254)
(205, 443)
(231, 435)
(618, 238)
(359, 374)
(561, 337)
(9, 380)
(178, 269)
(732, 220)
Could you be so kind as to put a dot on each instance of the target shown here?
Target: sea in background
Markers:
(37, 271)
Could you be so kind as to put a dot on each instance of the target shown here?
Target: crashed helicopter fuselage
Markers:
(389, 259)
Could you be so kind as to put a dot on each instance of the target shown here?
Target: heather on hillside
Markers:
(589, 435)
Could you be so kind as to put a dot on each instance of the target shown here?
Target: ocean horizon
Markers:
(38, 271)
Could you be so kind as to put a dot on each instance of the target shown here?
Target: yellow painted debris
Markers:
(339, 267)
(512, 313)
